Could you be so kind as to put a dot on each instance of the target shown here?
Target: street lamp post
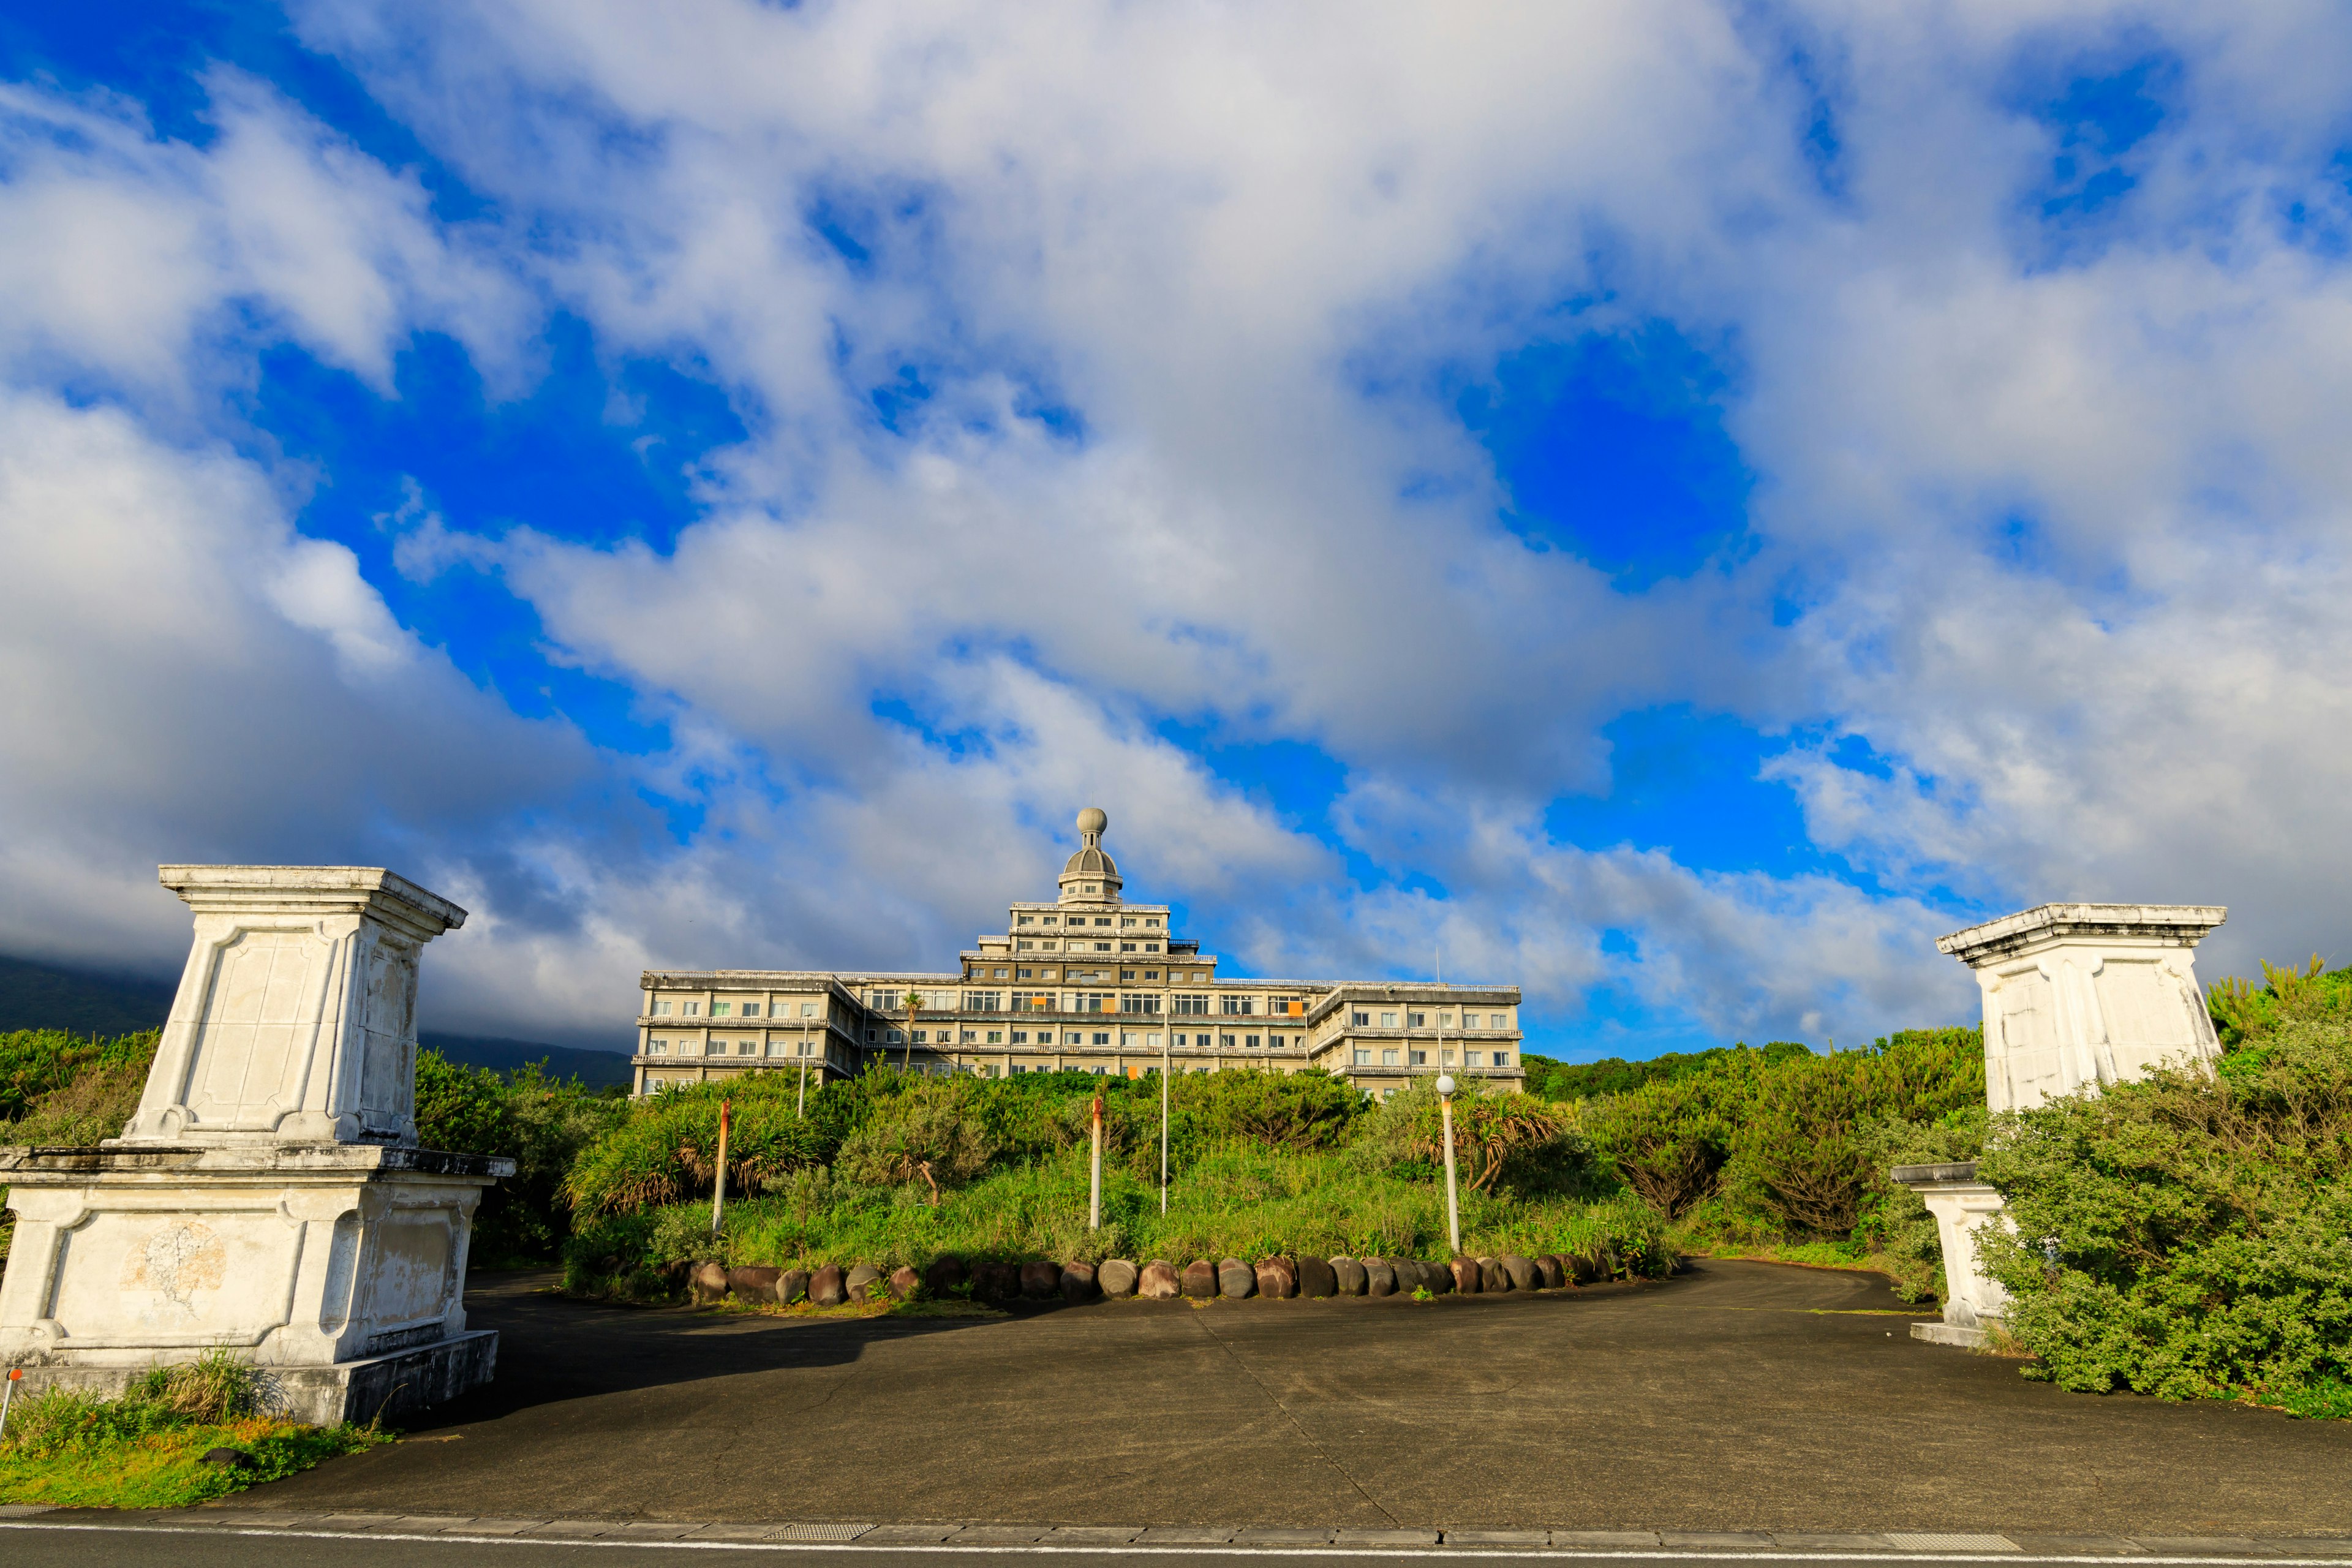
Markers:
(1164, 1038)
(1452, 1205)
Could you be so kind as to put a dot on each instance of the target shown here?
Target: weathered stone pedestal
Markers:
(2075, 996)
(269, 1198)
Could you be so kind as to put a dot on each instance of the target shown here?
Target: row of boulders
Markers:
(1202, 1280)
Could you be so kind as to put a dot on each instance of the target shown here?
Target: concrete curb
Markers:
(2214, 1551)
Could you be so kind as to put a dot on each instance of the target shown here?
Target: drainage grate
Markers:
(821, 1531)
(1953, 1542)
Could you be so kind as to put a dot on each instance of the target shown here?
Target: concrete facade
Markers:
(1087, 981)
(269, 1198)
(2076, 996)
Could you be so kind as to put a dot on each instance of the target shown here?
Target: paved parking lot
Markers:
(1738, 1398)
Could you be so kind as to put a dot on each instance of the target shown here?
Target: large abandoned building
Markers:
(1086, 981)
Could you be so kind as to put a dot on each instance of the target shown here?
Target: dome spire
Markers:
(1091, 873)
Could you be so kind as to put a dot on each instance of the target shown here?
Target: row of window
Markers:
(1419, 1058)
(737, 1009)
(1047, 944)
(999, 974)
(1150, 922)
(661, 1048)
(1421, 1021)
(1148, 1039)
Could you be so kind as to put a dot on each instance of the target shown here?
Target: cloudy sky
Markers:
(1674, 505)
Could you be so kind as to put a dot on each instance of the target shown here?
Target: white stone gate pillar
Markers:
(268, 1196)
(2076, 996)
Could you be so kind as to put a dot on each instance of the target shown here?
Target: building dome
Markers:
(1090, 873)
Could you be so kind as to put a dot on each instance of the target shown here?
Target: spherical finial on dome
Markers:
(1093, 820)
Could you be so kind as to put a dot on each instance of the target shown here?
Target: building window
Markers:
(1072, 1038)
(1192, 1004)
(778, 1049)
(1123, 947)
(658, 1048)
(1419, 1058)
(1389, 1057)
(1446, 1057)
(1102, 1038)
(998, 974)
(1126, 919)
(721, 1009)
(661, 1009)
(890, 1037)
(1249, 1042)
(1026, 946)
(1502, 1021)
(1226, 1041)
(1046, 945)
(1151, 947)
(1363, 1020)
(983, 1001)
(1502, 1058)
(1024, 974)
(1446, 1020)
(1416, 1020)
(1138, 1003)
(1238, 1004)
(968, 1038)
(1153, 923)
(1151, 1039)
(1388, 1020)
(1020, 1037)
(995, 1036)
(1151, 975)
(808, 1009)
(1126, 975)
(714, 1047)
(1363, 1057)
(691, 1009)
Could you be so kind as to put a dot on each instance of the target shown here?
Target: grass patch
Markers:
(2327, 1399)
(146, 1448)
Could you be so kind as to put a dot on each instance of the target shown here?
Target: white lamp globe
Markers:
(1445, 1083)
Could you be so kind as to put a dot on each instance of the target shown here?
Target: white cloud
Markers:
(2050, 511)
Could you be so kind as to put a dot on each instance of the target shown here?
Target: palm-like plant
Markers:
(914, 1008)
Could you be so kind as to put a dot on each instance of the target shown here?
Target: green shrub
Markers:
(665, 1148)
(542, 1123)
(2190, 1235)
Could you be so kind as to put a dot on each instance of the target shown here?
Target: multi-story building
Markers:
(1087, 982)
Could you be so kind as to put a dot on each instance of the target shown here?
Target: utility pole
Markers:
(719, 1191)
(1093, 1199)
(1452, 1205)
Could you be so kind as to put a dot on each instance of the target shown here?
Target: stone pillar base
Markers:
(1961, 1204)
(336, 1271)
(381, 1387)
(1948, 1334)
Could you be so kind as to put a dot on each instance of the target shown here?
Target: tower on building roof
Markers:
(1090, 874)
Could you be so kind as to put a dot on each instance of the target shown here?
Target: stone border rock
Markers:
(1277, 1276)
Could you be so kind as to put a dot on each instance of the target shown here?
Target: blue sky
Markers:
(1671, 506)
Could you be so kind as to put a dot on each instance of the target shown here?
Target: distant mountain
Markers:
(91, 1002)
(598, 1070)
(46, 996)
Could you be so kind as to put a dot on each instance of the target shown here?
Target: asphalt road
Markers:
(1741, 1396)
(50, 1547)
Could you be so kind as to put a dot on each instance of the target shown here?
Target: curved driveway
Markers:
(1739, 1396)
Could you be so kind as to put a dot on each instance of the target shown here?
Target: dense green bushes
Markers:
(896, 1168)
(543, 1122)
(1795, 1147)
(2191, 1235)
